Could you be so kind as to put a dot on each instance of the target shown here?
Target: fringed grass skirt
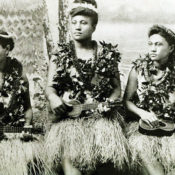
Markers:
(152, 148)
(19, 158)
(87, 142)
(167, 152)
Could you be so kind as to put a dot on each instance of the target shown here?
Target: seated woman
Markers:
(15, 111)
(150, 95)
(14, 90)
(85, 71)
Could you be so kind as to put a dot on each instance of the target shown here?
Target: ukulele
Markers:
(14, 129)
(161, 128)
(11, 131)
(75, 108)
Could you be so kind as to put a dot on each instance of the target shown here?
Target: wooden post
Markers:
(48, 35)
(62, 20)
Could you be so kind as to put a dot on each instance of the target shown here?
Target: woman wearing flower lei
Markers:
(88, 72)
(14, 95)
(152, 81)
(15, 111)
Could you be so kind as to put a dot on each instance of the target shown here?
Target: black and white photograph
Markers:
(87, 87)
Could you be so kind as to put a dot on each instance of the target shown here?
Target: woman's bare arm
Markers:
(130, 90)
(56, 103)
(129, 93)
(116, 94)
(28, 114)
(50, 91)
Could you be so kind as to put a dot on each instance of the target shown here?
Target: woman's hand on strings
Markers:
(149, 117)
(57, 105)
(26, 136)
(104, 107)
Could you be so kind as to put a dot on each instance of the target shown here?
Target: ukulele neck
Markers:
(91, 106)
(10, 129)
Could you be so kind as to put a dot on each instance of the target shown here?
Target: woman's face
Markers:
(159, 49)
(81, 27)
(3, 53)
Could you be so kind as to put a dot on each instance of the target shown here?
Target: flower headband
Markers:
(168, 31)
(6, 36)
(83, 5)
(171, 33)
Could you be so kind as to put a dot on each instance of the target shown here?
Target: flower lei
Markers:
(13, 87)
(156, 94)
(97, 80)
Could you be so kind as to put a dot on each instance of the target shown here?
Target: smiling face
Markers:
(159, 49)
(81, 27)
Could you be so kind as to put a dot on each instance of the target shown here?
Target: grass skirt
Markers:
(152, 148)
(87, 142)
(19, 158)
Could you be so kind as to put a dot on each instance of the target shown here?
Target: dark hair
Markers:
(92, 2)
(168, 34)
(6, 41)
(85, 11)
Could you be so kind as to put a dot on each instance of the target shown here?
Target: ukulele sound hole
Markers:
(69, 108)
(162, 124)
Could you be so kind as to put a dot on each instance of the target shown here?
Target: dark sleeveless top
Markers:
(12, 104)
(80, 77)
(86, 80)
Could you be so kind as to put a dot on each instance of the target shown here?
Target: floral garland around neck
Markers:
(77, 82)
(156, 94)
(11, 98)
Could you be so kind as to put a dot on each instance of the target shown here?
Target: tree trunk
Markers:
(63, 20)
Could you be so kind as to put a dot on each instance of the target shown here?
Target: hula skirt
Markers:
(88, 141)
(20, 158)
(152, 148)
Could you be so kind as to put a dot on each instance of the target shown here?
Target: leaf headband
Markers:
(82, 5)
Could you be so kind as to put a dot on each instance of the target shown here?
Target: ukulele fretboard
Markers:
(11, 129)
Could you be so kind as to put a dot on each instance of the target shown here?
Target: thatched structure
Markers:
(20, 5)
